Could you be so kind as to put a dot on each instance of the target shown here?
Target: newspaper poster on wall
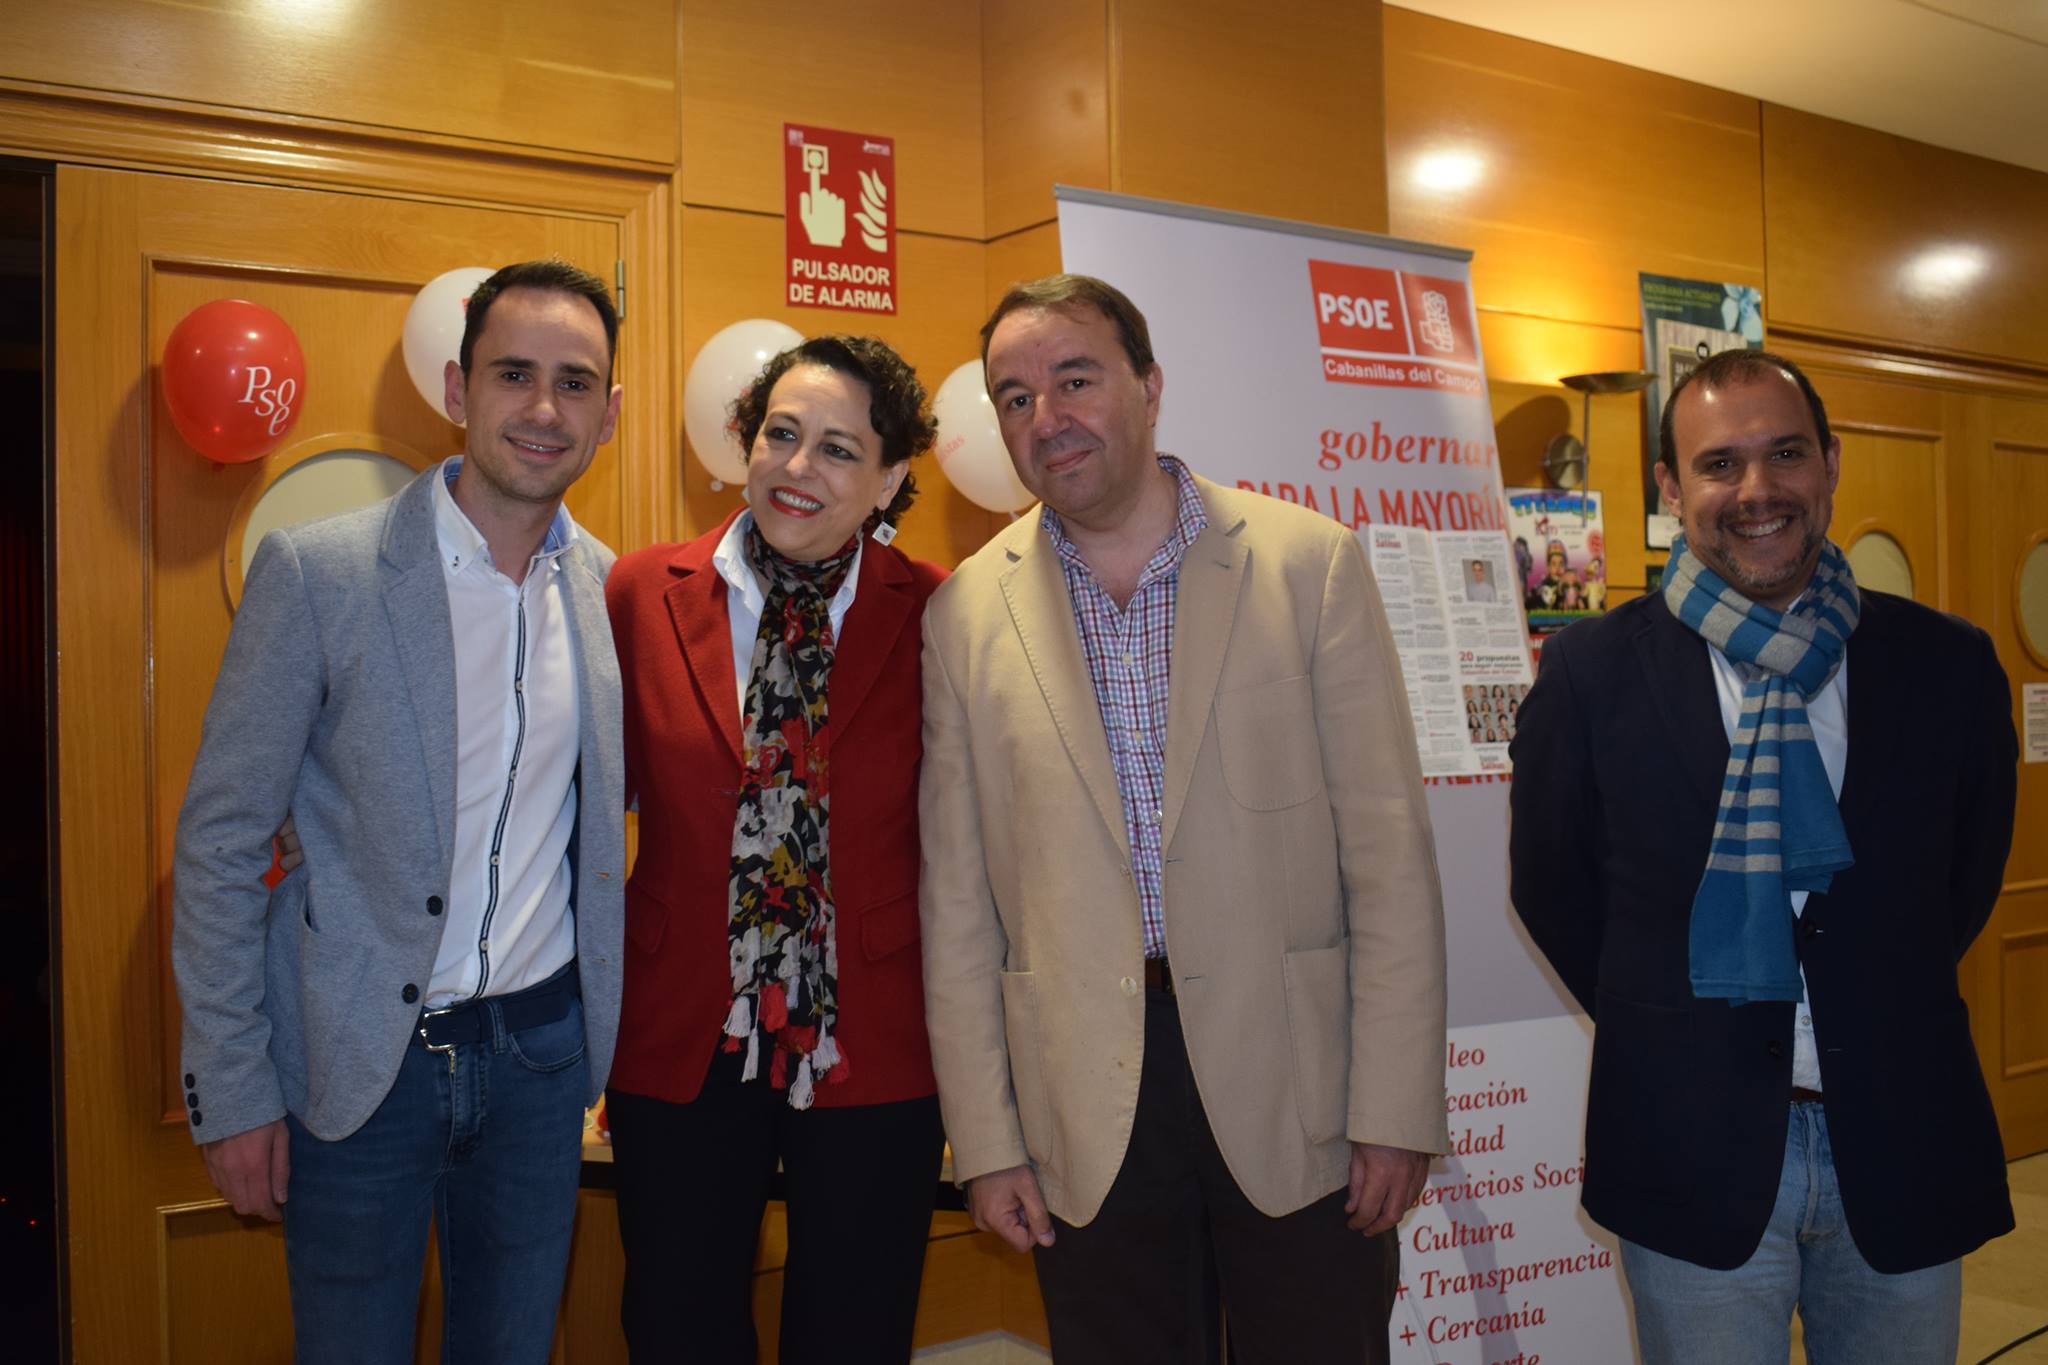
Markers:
(1343, 372)
(2034, 722)
(1684, 322)
(1560, 556)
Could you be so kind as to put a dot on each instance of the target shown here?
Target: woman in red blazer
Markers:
(774, 1011)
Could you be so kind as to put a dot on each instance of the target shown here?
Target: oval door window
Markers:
(2033, 598)
(1880, 562)
(330, 482)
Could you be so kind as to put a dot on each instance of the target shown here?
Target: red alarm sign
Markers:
(839, 211)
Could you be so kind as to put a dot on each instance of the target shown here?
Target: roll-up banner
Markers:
(1342, 371)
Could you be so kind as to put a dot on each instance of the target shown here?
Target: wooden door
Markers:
(160, 1270)
(1952, 463)
(2003, 517)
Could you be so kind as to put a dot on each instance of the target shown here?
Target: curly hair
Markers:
(897, 405)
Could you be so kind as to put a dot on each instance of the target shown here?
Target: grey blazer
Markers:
(335, 701)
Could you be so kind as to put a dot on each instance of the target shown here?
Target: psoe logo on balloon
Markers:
(233, 374)
(271, 399)
(840, 213)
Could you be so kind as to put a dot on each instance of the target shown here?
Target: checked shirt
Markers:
(1129, 652)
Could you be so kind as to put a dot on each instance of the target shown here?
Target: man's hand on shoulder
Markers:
(252, 1170)
(1385, 1183)
(1008, 1204)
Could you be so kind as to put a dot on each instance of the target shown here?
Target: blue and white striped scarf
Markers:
(1778, 829)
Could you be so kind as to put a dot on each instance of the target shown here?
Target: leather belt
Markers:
(1801, 1095)
(1158, 975)
(470, 1021)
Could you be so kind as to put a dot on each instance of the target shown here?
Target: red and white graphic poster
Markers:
(839, 211)
(1392, 327)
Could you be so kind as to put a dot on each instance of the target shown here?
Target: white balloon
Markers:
(721, 371)
(971, 450)
(433, 330)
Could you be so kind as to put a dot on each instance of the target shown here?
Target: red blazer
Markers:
(683, 760)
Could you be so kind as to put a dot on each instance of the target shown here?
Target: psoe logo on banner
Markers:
(1441, 312)
(839, 207)
(1358, 309)
(1389, 328)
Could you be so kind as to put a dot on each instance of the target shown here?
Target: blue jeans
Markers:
(488, 1139)
(1852, 1315)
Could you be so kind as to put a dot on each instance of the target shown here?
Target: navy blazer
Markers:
(1619, 758)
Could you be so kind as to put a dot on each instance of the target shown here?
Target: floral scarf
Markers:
(785, 963)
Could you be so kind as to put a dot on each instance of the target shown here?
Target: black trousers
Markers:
(693, 1181)
(1177, 1241)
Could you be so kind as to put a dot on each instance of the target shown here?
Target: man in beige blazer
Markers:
(1165, 715)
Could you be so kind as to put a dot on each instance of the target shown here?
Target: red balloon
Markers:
(234, 379)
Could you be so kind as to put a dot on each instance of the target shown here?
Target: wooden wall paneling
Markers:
(589, 1331)
(1524, 349)
(732, 267)
(79, 127)
(1900, 430)
(1264, 109)
(1023, 1304)
(2007, 442)
(110, 1050)
(1961, 454)
(1021, 256)
(651, 413)
(1891, 482)
(962, 1292)
(204, 1249)
(1045, 105)
(1584, 172)
(393, 248)
(1929, 250)
(908, 69)
(142, 615)
(499, 71)
(98, 128)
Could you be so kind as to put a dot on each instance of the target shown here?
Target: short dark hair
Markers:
(1724, 369)
(553, 273)
(897, 407)
(1068, 292)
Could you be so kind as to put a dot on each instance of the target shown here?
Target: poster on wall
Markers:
(839, 217)
(2034, 722)
(1560, 556)
(1684, 322)
(1343, 372)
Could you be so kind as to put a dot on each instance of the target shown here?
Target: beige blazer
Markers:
(1304, 918)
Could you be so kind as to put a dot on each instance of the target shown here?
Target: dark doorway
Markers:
(30, 1308)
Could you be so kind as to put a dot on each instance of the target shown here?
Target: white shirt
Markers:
(746, 598)
(1828, 714)
(516, 746)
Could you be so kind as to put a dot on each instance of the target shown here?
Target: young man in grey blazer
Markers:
(413, 1020)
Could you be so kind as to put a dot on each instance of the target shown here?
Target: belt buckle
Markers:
(427, 1042)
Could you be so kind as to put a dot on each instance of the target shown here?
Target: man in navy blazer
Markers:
(413, 1020)
(1825, 1144)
